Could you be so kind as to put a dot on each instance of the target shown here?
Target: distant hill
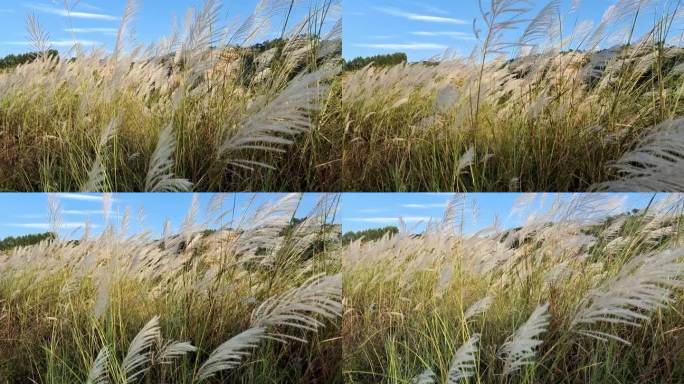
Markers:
(593, 63)
(368, 234)
(11, 61)
(23, 241)
(378, 61)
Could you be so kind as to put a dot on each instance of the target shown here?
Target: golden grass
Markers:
(265, 292)
(531, 303)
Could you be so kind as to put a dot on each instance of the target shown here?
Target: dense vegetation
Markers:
(546, 102)
(583, 291)
(546, 303)
(239, 304)
(11, 61)
(377, 61)
(208, 108)
(25, 240)
(371, 234)
(561, 107)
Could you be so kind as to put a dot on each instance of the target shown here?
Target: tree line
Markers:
(25, 240)
(368, 234)
(377, 60)
(11, 61)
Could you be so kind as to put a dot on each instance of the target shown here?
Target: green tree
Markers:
(11, 61)
(378, 61)
(25, 240)
(369, 234)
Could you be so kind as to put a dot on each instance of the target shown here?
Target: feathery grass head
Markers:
(300, 307)
(160, 176)
(642, 286)
(463, 363)
(99, 372)
(519, 350)
(426, 377)
(139, 356)
(655, 164)
(478, 308)
(230, 354)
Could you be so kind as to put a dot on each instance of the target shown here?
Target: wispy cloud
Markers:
(69, 212)
(56, 43)
(407, 47)
(390, 220)
(74, 14)
(92, 30)
(425, 206)
(453, 34)
(6, 10)
(47, 226)
(81, 196)
(371, 210)
(420, 17)
(79, 212)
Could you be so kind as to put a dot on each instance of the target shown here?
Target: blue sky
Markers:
(372, 210)
(25, 213)
(425, 28)
(28, 212)
(95, 22)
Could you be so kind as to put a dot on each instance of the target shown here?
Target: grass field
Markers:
(545, 102)
(250, 300)
(578, 294)
(211, 107)
(584, 291)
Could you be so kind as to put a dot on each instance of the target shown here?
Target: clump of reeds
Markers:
(565, 106)
(580, 292)
(252, 299)
(204, 108)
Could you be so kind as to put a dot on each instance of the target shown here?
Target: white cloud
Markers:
(72, 212)
(47, 226)
(92, 30)
(86, 212)
(407, 47)
(420, 17)
(56, 43)
(424, 206)
(81, 196)
(453, 34)
(389, 220)
(74, 14)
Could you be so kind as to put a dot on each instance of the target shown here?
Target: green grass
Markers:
(94, 122)
(548, 114)
(406, 312)
(382, 310)
(537, 121)
(61, 302)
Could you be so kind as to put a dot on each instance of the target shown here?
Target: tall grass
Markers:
(202, 109)
(545, 102)
(579, 293)
(245, 302)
